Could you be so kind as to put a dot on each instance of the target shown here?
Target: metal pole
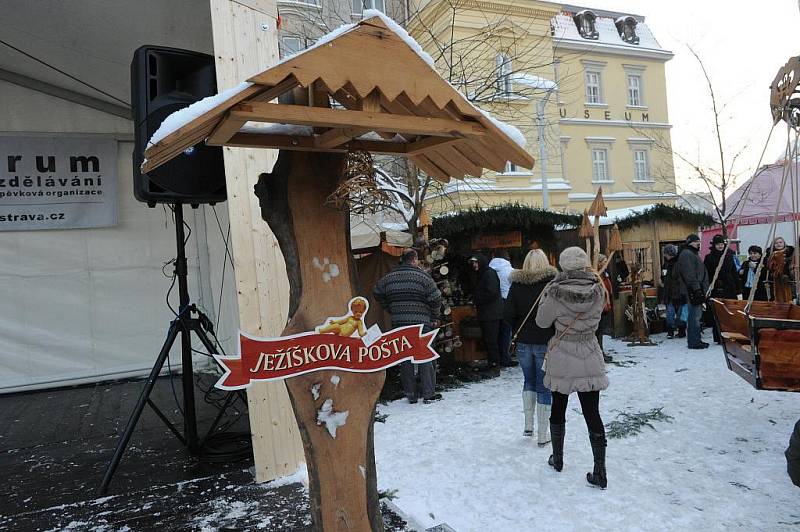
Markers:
(542, 155)
(542, 152)
(184, 314)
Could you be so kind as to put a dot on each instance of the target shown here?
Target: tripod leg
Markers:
(174, 329)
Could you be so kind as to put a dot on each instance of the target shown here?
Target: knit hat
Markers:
(718, 239)
(692, 238)
(671, 250)
(573, 258)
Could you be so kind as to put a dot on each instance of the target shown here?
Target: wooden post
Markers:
(341, 465)
(245, 43)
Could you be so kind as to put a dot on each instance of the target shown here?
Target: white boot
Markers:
(528, 406)
(543, 421)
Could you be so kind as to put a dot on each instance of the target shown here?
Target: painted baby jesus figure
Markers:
(349, 324)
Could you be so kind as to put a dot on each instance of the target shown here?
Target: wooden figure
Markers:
(597, 209)
(392, 101)
(586, 231)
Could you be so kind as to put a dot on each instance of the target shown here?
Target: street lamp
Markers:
(539, 83)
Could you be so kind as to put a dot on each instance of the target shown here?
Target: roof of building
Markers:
(566, 32)
(383, 82)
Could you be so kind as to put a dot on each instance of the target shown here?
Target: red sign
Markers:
(267, 359)
(511, 239)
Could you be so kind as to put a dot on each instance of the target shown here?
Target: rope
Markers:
(771, 234)
(742, 203)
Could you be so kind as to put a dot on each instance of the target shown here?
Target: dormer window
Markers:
(626, 26)
(585, 21)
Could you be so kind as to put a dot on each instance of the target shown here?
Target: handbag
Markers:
(512, 347)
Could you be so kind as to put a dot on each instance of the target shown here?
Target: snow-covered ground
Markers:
(717, 465)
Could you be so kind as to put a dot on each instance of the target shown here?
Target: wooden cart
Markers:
(761, 345)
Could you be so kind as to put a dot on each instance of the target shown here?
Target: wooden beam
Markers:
(314, 116)
(336, 137)
(430, 168)
(303, 143)
(273, 92)
(426, 143)
(226, 128)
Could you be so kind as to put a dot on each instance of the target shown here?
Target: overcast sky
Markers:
(743, 44)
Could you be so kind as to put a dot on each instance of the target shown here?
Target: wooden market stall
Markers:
(644, 232)
(513, 228)
(366, 88)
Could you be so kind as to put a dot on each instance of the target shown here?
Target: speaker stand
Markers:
(189, 320)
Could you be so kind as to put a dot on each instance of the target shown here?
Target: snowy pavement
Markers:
(718, 464)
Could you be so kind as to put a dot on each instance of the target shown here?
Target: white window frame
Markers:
(606, 174)
(503, 69)
(641, 166)
(594, 91)
(634, 90)
(600, 144)
(635, 71)
(594, 68)
(360, 5)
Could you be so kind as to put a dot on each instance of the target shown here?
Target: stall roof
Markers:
(390, 100)
(630, 216)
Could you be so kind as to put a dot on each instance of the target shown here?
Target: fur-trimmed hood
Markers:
(576, 289)
(533, 277)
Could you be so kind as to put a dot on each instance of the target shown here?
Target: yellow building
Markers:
(586, 87)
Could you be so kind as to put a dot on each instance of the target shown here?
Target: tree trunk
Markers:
(314, 239)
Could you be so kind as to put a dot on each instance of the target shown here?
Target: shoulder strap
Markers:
(521, 325)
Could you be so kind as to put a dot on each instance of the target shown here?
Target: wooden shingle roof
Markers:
(367, 89)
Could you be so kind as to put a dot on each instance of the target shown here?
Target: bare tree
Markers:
(502, 68)
(719, 178)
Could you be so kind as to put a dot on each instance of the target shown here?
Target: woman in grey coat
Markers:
(574, 303)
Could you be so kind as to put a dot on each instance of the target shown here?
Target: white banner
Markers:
(57, 183)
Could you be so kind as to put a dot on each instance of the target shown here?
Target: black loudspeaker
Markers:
(164, 80)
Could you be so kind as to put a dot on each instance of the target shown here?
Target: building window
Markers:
(593, 92)
(600, 165)
(503, 71)
(585, 22)
(510, 168)
(634, 90)
(641, 170)
(360, 5)
(626, 27)
(290, 46)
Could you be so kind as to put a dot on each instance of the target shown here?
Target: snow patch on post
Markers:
(332, 419)
(315, 390)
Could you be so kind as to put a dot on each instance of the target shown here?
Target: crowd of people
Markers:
(688, 282)
(553, 318)
(552, 322)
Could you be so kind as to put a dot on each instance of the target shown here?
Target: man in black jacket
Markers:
(671, 295)
(793, 456)
(489, 305)
(726, 285)
(693, 279)
(410, 295)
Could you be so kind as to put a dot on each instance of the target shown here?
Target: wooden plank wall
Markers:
(246, 43)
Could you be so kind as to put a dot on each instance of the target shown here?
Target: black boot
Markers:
(556, 459)
(598, 476)
(670, 333)
(682, 332)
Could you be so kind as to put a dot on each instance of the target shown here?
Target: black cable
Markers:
(70, 76)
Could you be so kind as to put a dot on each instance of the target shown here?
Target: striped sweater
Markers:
(410, 296)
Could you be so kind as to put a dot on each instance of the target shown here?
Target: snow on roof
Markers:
(180, 118)
(183, 116)
(509, 130)
(565, 29)
(533, 81)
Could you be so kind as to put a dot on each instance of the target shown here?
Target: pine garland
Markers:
(661, 212)
(508, 217)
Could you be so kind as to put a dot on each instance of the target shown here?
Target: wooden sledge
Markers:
(762, 346)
